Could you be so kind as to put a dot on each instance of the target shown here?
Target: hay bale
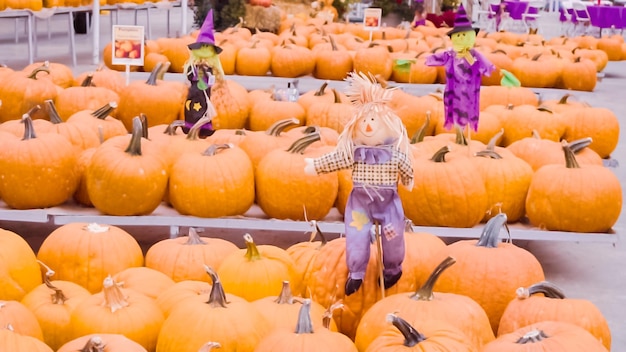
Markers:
(262, 18)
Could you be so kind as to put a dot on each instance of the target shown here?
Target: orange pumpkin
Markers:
(20, 318)
(13, 341)
(182, 258)
(19, 272)
(96, 251)
(144, 280)
(104, 342)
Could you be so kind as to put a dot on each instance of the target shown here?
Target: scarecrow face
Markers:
(463, 40)
(205, 51)
(371, 130)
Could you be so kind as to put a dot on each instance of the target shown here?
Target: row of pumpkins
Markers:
(89, 156)
(194, 293)
(330, 51)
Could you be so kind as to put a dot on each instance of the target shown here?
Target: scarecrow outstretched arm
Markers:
(331, 162)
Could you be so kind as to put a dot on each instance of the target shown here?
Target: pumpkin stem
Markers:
(88, 81)
(421, 132)
(193, 238)
(144, 125)
(302, 143)
(488, 154)
(460, 137)
(52, 112)
(252, 251)
(491, 232)
(336, 96)
(217, 297)
(154, 75)
(164, 68)
(548, 289)
(170, 130)
(279, 126)
(57, 297)
(411, 336)
(29, 129)
(316, 231)
(134, 147)
(580, 144)
(207, 347)
(570, 158)
(43, 68)
(194, 131)
(322, 89)
(333, 44)
(425, 293)
(94, 344)
(285, 296)
(328, 314)
(113, 296)
(492, 142)
(105, 111)
(440, 155)
(304, 325)
(532, 337)
(213, 149)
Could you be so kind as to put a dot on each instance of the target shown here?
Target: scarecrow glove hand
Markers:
(309, 168)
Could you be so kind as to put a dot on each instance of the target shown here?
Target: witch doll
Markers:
(464, 67)
(374, 144)
(201, 67)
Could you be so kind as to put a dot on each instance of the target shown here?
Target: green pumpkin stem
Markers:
(440, 155)
(279, 126)
(217, 297)
(490, 237)
(301, 144)
(154, 75)
(411, 336)
(570, 158)
(304, 325)
(193, 238)
(29, 129)
(134, 146)
(252, 251)
(106, 110)
(57, 297)
(548, 289)
(285, 296)
(425, 293)
(421, 132)
(88, 81)
(94, 344)
(114, 298)
(532, 337)
(53, 114)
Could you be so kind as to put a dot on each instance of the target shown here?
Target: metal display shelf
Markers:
(255, 219)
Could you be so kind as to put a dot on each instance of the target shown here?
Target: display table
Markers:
(255, 219)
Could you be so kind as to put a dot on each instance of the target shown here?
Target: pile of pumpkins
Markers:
(312, 47)
(90, 285)
(120, 148)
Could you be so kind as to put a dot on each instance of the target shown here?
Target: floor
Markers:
(583, 269)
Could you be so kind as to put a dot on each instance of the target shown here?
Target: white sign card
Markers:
(372, 17)
(128, 45)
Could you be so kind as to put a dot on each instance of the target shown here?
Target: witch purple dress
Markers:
(462, 92)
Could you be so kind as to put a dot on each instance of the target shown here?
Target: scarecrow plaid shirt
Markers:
(383, 174)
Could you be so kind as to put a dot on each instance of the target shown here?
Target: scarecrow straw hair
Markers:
(369, 97)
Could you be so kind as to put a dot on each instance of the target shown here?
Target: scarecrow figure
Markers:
(374, 144)
(464, 67)
(201, 68)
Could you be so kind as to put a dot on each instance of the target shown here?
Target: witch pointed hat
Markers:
(461, 22)
(206, 35)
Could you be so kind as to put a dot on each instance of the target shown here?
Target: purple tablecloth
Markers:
(604, 16)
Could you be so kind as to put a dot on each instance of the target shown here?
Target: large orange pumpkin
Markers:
(19, 271)
(96, 251)
(102, 342)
